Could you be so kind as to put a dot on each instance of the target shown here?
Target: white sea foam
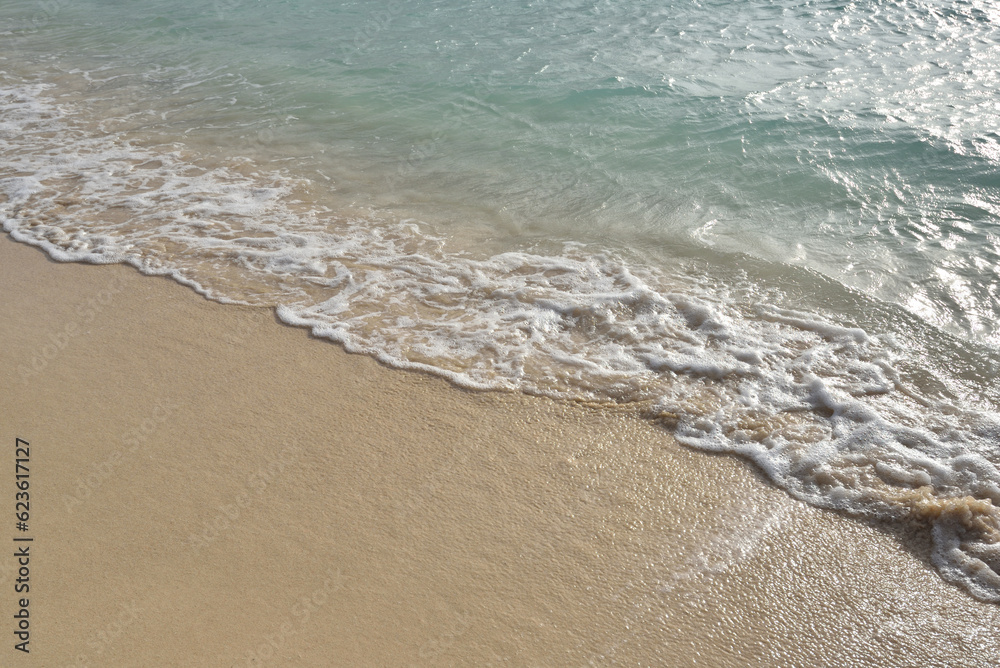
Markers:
(819, 405)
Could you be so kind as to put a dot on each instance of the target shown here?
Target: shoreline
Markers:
(214, 489)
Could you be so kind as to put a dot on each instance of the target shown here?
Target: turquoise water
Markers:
(772, 226)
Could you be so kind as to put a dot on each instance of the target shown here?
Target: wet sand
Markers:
(210, 487)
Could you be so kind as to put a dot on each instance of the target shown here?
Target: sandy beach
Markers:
(210, 487)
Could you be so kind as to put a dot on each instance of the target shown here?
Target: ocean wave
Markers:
(820, 405)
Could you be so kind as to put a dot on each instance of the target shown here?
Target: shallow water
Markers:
(772, 227)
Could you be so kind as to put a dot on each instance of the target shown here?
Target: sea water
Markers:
(773, 227)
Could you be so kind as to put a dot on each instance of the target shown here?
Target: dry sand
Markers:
(212, 488)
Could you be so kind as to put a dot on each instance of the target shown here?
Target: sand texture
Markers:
(210, 487)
